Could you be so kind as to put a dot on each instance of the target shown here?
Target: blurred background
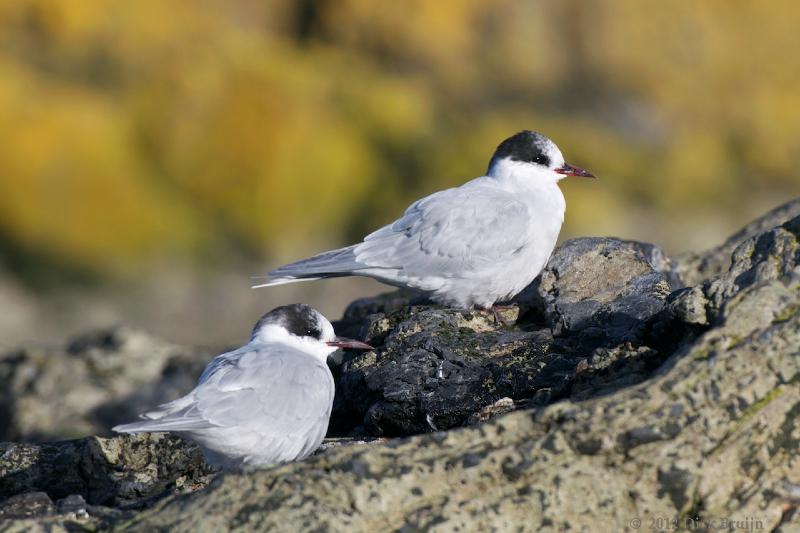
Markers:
(156, 154)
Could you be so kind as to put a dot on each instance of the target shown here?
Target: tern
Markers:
(267, 402)
(471, 246)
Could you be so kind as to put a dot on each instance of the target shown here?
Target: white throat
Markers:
(272, 333)
(536, 183)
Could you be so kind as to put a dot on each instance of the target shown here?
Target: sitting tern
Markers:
(264, 403)
(468, 246)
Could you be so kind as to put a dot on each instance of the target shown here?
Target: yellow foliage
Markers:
(136, 131)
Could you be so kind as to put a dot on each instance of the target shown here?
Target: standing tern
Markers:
(469, 246)
(264, 403)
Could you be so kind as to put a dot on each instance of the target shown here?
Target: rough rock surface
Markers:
(602, 290)
(638, 401)
(435, 367)
(95, 480)
(96, 381)
(712, 436)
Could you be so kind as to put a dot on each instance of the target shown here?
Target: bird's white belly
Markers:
(234, 446)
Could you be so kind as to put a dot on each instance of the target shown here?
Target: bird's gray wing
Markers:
(340, 262)
(453, 232)
(271, 387)
(218, 363)
(276, 386)
(221, 362)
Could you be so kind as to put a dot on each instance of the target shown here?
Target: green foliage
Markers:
(131, 132)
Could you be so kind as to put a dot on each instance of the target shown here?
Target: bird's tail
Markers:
(176, 415)
(279, 281)
(135, 427)
(332, 264)
(167, 424)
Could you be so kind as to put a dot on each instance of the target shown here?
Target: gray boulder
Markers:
(602, 288)
(98, 380)
(96, 480)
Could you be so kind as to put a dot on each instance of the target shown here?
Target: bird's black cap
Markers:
(298, 319)
(526, 146)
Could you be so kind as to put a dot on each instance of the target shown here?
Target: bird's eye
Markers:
(313, 333)
(542, 160)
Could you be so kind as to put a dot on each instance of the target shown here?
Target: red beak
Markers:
(569, 170)
(341, 342)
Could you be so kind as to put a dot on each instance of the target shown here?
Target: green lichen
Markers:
(760, 404)
(463, 330)
(733, 342)
(749, 413)
(786, 314)
(703, 353)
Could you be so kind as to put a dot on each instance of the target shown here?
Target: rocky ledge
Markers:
(623, 390)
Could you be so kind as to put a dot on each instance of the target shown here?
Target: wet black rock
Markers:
(585, 332)
(435, 367)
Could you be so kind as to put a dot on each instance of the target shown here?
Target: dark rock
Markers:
(435, 367)
(113, 472)
(602, 290)
(385, 303)
(99, 380)
(26, 505)
(74, 503)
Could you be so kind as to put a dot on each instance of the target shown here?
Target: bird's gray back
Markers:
(456, 232)
(263, 403)
(270, 384)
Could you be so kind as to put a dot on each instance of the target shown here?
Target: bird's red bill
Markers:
(351, 344)
(571, 170)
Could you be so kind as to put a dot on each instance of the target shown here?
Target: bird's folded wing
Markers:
(274, 388)
(453, 232)
(183, 411)
(278, 388)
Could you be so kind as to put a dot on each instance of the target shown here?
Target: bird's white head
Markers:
(529, 155)
(302, 327)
